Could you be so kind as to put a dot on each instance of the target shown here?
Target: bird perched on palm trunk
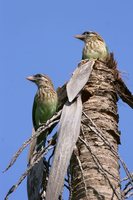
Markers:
(45, 104)
(95, 47)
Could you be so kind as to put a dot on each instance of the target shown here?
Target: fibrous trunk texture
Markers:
(95, 169)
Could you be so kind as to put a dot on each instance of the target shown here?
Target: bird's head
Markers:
(41, 80)
(88, 35)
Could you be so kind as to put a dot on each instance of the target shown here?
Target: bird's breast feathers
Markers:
(46, 105)
(95, 49)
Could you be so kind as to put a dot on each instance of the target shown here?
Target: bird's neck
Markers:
(95, 42)
(94, 38)
(44, 87)
(44, 90)
(94, 48)
(44, 94)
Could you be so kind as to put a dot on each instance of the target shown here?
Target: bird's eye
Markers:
(38, 76)
(86, 33)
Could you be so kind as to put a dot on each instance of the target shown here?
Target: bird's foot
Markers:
(82, 62)
(52, 141)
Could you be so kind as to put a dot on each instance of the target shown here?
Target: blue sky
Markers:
(37, 36)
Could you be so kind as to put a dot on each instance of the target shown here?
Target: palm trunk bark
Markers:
(95, 168)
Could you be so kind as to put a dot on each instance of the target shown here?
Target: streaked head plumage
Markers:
(88, 35)
(40, 80)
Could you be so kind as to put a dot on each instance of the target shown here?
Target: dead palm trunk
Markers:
(94, 168)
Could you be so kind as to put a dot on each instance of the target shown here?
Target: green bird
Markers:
(95, 47)
(45, 104)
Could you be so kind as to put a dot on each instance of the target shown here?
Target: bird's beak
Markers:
(31, 78)
(81, 37)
